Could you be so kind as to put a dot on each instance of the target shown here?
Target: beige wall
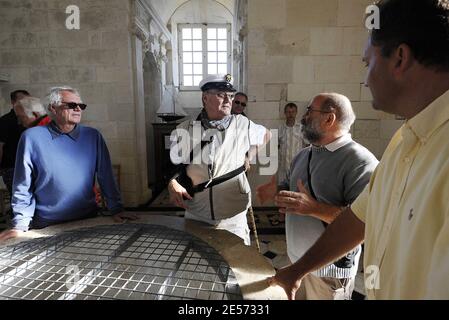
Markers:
(299, 48)
(38, 52)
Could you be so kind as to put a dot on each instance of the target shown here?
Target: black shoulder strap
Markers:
(309, 178)
(218, 180)
(309, 175)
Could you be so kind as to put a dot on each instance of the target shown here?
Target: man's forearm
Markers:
(327, 213)
(343, 235)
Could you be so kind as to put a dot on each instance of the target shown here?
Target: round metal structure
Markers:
(128, 261)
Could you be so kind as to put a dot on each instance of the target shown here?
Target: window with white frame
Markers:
(203, 50)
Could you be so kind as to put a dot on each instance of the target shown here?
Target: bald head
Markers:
(341, 106)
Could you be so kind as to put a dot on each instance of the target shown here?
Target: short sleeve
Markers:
(256, 134)
(360, 205)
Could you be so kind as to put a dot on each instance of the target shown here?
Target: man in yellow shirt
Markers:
(403, 214)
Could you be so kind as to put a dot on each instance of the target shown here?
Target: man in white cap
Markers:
(211, 183)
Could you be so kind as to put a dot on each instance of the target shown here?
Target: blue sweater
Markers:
(55, 174)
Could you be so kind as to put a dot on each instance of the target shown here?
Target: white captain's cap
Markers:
(222, 82)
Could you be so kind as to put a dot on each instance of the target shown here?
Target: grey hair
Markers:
(32, 105)
(54, 98)
(342, 107)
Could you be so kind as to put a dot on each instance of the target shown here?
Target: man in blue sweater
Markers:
(56, 167)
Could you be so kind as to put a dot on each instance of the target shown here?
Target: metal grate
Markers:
(131, 261)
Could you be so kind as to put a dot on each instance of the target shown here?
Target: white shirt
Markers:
(290, 143)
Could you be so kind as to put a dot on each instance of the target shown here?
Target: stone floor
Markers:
(271, 235)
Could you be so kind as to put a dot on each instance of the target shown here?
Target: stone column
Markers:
(140, 44)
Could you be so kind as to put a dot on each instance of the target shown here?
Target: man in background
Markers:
(239, 103)
(290, 143)
(30, 112)
(10, 131)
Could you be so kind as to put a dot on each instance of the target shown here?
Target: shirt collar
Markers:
(431, 118)
(56, 132)
(296, 125)
(339, 143)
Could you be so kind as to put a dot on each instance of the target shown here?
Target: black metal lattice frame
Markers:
(131, 261)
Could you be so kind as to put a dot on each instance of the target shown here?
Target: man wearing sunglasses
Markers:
(239, 103)
(56, 167)
(215, 189)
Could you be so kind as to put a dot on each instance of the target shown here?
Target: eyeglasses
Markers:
(222, 95)
(243, 104)
(74, 105)
(309, 109)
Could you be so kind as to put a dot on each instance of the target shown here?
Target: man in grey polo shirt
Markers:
(323, 179)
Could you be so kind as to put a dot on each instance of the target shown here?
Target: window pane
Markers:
(197, 80)
(212, 69)
(197, 57)
(222, 45)
(187, 33)
(187, 57)
(222, 68)
(222, 34)
(187, 45)
(188, 69)
(222, 57)
(212, 33)
(197, 45)
(188, 81)
(212, 45)
(212, 57)
(196, 33)
(198, 69)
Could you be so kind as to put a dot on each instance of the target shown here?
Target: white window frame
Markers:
(204, 39)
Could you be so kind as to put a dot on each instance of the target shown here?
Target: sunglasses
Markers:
(243, 104)
(74, 105)
(222, 95)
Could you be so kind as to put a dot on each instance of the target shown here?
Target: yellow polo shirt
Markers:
(405, 208)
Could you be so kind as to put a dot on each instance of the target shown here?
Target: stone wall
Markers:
(38, 52)
(294, 49)
(299, 48)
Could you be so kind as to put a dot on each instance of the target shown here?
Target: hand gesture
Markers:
(300, 202)
(8, 234)
(178, 193)
(288, 279)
